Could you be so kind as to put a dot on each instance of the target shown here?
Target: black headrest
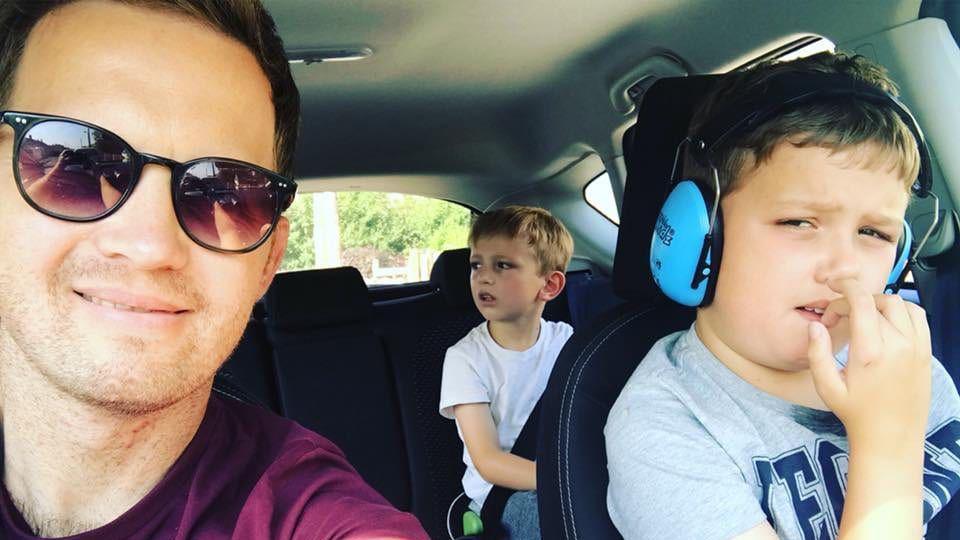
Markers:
(313, 298)
(451, 275)
(649, 148)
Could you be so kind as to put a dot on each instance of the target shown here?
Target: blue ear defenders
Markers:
(685, 255)
(687, 243)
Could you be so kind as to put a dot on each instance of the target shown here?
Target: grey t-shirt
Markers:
(695, 452)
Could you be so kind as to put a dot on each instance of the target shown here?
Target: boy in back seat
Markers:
(493, 377)
(747, 425)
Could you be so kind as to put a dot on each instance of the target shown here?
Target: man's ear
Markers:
(556, 280)
(278, 244)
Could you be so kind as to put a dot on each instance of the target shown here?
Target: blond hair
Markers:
(551, 242)
(838, 124)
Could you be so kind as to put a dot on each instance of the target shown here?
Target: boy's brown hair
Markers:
(551, 242)
(246, 21)
(837, 123)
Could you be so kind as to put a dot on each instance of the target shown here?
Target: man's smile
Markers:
(124, 301)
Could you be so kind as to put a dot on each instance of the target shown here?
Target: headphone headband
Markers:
(793, 88)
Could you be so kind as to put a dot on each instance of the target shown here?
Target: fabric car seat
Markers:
(332, 372)
(596, 363)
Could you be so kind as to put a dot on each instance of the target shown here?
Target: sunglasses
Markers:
(75, 171)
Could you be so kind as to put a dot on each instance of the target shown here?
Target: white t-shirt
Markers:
(478, 370)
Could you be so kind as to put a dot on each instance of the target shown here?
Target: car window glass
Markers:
(391, 238)
(599, 195)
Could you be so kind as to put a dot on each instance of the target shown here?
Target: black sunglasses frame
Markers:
(21, 122)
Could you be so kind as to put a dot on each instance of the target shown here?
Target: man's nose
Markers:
(145, 229)
(841, 259)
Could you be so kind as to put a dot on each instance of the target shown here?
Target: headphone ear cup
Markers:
(678, 243)
(901, 260)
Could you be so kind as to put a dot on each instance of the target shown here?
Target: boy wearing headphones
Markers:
(804, 403)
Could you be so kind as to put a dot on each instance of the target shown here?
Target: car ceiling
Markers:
(471, 100)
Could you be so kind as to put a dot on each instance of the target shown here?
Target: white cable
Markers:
(450, 511)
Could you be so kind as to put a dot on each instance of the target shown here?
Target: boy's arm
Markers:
(494, 465)
(883, 399)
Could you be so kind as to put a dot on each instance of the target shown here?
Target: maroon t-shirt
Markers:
(250, 474)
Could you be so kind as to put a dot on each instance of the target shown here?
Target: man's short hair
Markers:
(836, 123)
(243, 20)
(551, 242)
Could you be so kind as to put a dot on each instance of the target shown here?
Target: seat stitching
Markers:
(566, 411)
(560, 446)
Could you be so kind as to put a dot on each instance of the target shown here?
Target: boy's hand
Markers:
(883, 395)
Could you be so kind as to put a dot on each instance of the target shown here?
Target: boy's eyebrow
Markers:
(494, 256)
(880, 219)
(884, 220)
(811, 205)
(491, 255)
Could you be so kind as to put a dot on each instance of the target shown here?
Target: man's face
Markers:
(798, 220)
(169, 86)
(505, 278)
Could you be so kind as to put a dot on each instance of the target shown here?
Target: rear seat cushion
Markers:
(333, 376)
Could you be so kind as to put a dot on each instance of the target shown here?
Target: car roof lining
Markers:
(477, 93)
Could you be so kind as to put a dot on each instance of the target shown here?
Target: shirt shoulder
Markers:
(669, 478)
(470, 345)
(655, 378)
(248, 473)
(463, 359)
(558, 329)
(308, 489)
(465, 377)
(652, 398)
(555, 335)
(944, 401)
(660, 452)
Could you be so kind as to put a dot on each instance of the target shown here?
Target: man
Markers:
(118, 301)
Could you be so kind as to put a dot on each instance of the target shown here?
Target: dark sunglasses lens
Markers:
(226, 205)
(73, 170)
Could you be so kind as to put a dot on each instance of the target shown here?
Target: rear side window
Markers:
(599, 195)
(391, 238)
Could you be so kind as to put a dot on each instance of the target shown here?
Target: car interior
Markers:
(487, 104)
